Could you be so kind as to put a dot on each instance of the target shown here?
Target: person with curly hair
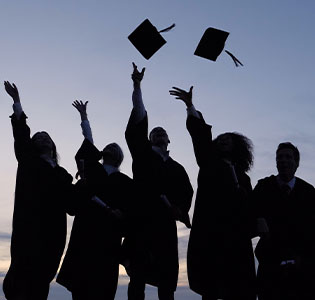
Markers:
(220, 261)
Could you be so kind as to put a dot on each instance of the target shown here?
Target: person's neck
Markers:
(285, 178)
(110, 168)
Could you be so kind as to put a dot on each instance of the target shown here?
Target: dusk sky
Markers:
(59, 51)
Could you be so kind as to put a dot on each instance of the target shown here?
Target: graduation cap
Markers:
(212, 44)
(147, 39)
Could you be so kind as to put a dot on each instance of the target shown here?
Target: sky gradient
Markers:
(60, 51)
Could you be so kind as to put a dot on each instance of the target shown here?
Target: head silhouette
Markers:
(112, 155)
(235, 147)
(158, 137)
(288, 160)
(44, 144)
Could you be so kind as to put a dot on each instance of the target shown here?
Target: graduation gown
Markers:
(43, 195)
(220, 258)
(92, 259)
(158, 234)
(291, 221)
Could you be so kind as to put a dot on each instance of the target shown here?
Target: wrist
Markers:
(189, 105)
(83, 116)
(136, 85)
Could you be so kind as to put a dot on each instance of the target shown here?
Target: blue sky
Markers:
(59, 51)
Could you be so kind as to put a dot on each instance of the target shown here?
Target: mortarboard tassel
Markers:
(236, 61)
(168, 28)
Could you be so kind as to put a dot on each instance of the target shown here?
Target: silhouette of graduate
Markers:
(286, 204)
(220, 261)
(166, 193)
(43, 194)
(91, 265)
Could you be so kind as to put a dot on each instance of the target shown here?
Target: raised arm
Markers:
(85, 124)
(12, 91)
(138, 106)
(186, 97)
(137, 128)
(21, 131)
(199, 131)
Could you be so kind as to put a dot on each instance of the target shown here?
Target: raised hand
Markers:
(180, 94)
(12, 90)
(137, 76)
(81, 108)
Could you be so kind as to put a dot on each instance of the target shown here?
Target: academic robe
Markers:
(220, 261)
(156, 237)
(91, 263)
(291, 221)
(43, 195)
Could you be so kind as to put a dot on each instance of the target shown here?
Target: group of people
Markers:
(132, 221)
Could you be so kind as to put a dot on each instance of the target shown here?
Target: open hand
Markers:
(12, 90)
(137, 76)
(80, 106)
(180, 94)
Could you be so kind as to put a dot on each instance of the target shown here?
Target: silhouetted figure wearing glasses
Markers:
(43, 195)
(91, 265)
(286, 253)
(166, 191)
(220, 257)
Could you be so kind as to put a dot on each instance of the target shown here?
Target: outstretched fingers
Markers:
(177, 89)
(136, 71)
(181, 94)
(79, 105)
(137, 76)
(135, 68)
(12, 90)
(76, 103)
(7, 85)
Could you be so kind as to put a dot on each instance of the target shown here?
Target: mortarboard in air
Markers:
(147, 39)
(212, 44)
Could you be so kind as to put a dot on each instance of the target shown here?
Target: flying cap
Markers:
(212, 44)
(147, 39)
